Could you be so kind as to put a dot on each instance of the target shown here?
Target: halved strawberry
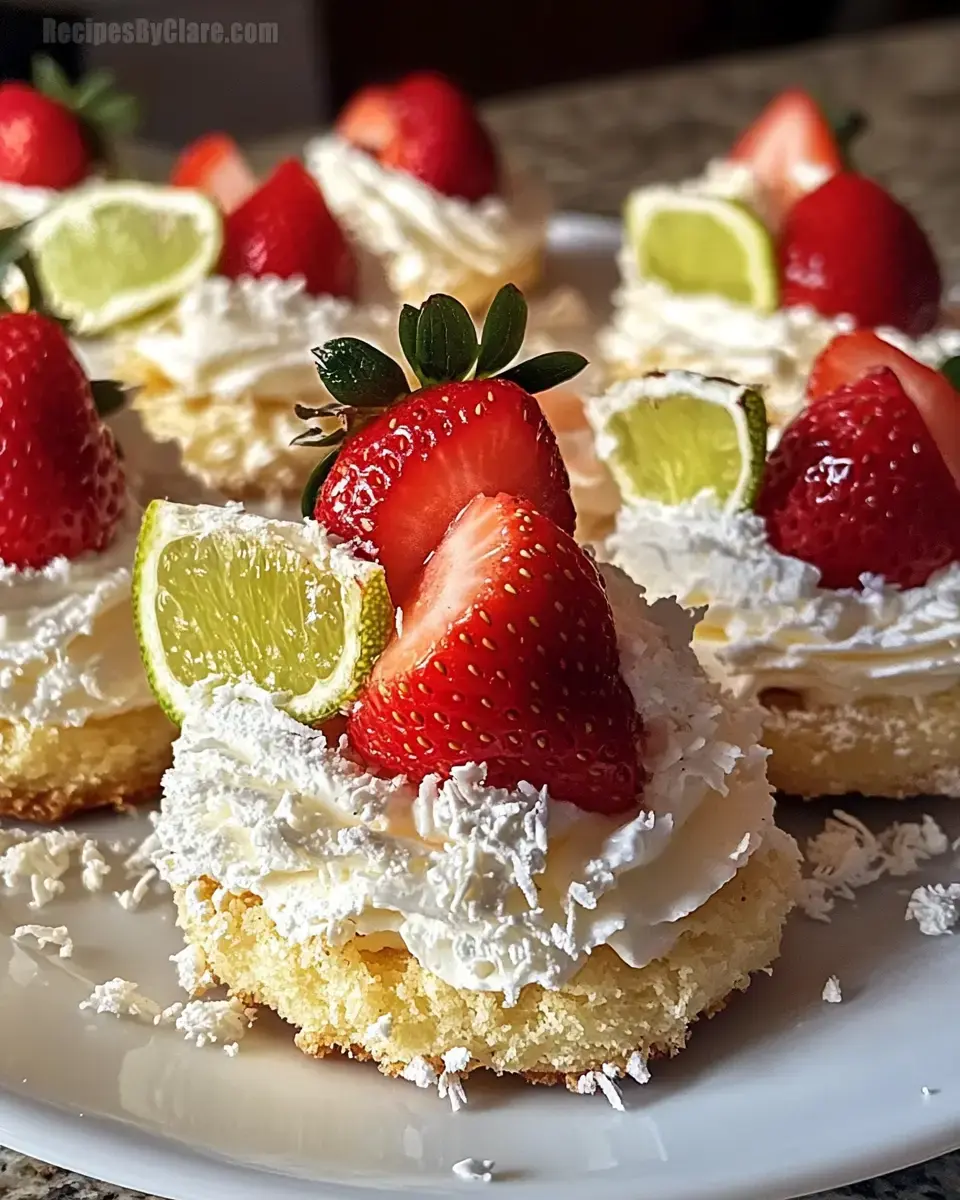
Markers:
(214, 164)
(851, 356)
(286, 229)
(369, 119)
(856, 486)
(790, 139)
(508, 656)
(400, 481)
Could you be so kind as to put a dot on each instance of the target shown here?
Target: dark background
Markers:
(330, 47)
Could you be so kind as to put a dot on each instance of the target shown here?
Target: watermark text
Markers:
(171, 31)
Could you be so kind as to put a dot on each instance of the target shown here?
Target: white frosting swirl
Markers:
(429, 242)
(489, 889)
(770, 625)
(68, 651)
(654, 328)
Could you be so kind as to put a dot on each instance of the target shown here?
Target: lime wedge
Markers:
(695, 244)
(218, 592)
(668, 437)
(113, 251)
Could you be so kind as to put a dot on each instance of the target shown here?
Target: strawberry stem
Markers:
(104, 112)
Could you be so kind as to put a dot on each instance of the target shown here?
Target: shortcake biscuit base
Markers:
(50, 772)
(893, 746)
(602, 1016)
(215, 446)
(476, 290)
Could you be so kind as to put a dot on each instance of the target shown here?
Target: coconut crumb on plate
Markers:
(936, 909)
(832, 993)
(477, 1170)
(46, 935)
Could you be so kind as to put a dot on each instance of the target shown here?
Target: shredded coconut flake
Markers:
(593, 1081)
(95, 867)
(121, 998)
(47, 935)
(831, 991)
(206, 1022)
(936, 909)
(846, 856)
(418, 1071)
(231, 1049)
(637, 1067)
(450, 1085)
(132, 898)
(193, 971)
(380, 1030)
(39, 862)
(477, 1170)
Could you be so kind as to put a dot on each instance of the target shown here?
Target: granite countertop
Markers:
(592, 142)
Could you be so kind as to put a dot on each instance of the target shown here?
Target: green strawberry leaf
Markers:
(409, 317)
(108, 396)
(91, 88)
(847, 125)
(359, 375)
(446, 341)
(11, 246)
(546, 370)
(951, 370)
(50, 78)
(315, 481)
(116, 114)
(503, 330)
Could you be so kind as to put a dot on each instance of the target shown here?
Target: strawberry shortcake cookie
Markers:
(748, 271)
(829, 570)
(79, 727)
(415, 177)
(541, 841)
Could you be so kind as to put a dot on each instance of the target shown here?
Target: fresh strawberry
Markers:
(849, 247)
(439, 138)
(214, 164)
(53, 133)
(790, 139)
(850, 356)
(62, 487)
(508, 656)
(369, 119)
(856, 485)
(41, 142)
(286, 229)
(400, 481)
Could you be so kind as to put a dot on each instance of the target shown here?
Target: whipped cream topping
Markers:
(769, 624)
(654, 328)
(489, 889)
(430, 242)
(68, 651)
(249, 338)
(18, 204)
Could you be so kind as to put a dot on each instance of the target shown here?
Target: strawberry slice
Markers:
(285, 229)
(790, 139)
(215, 165)
(851, 356)
(508, 656)
(399, 482)
(369, 119)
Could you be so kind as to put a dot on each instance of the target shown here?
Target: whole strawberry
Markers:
(52, 133)
(286, 229)
(62, 490)
(426, 126)
(850, 247)
(508, 656)
(412, 462)
(857, 485)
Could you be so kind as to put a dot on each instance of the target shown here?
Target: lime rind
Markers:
(111, 252)
(669, 437)
(223, 594)
(696, 244)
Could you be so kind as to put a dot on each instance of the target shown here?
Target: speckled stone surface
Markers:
(593, 142)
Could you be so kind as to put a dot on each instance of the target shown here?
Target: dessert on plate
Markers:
(79, 727)
(414, 176)
(511, 825)
(829, 570)
(54, 135)
(749, 270)
(220, 370)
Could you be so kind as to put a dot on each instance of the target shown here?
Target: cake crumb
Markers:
(831, 991)
(47, 935)
(478, 1170)
(193, 970)
(936, 909)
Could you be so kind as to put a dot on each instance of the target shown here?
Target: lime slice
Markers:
(695, 245)
(113, 251)
(218, 592)
(669, 437)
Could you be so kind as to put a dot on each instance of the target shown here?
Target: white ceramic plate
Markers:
(780, 1095)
